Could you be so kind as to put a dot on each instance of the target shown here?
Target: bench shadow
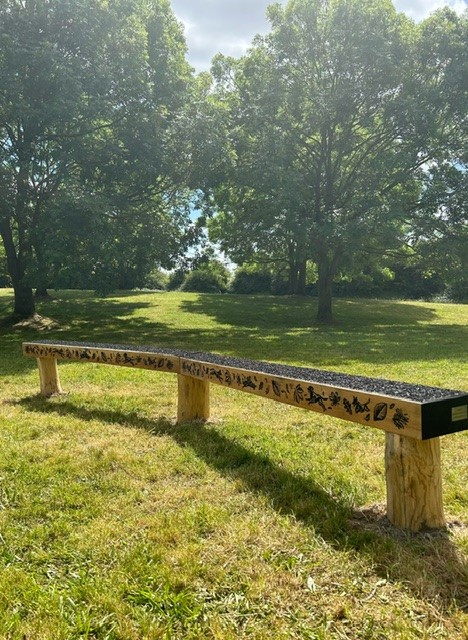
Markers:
(397, 556)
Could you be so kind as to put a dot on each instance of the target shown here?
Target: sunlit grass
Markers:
(115, 523)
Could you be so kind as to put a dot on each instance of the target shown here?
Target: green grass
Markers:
(264, 523)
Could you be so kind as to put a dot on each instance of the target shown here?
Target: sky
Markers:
(228, 26)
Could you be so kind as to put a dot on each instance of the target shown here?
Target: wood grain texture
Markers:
(120, 357)
(414, 483)
(374, 410)
(193, 399)
(399, 408)
(49, 377)
(412, 465)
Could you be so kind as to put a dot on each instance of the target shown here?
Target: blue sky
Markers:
(228, 26)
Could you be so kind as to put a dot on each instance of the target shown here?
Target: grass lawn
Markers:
(264, 523)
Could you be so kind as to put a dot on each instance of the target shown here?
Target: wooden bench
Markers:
(413, 416)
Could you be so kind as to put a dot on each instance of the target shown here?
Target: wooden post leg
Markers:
(49, 377)
(193, 399)
(414, 483)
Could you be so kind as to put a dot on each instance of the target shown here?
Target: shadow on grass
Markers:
(371, 331)
(283, 329)
(397, 556)
(278, 329)
(82, 319)
(295, 312)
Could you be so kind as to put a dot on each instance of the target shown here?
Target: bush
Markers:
(5, 281)
(280, 285)
(246, 282)
(457, 291)
(414, 283)
(201, 281)
(175, 280)
(156, 280)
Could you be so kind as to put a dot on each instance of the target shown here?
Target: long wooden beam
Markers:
(395, 415)
(429, 413)
(123, 356)
(413, 411)
(413, 416)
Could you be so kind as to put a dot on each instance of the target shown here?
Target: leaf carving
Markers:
(380, 411)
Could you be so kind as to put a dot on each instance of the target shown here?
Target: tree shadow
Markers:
(277, 329)
(296, 312)
(82, 319)
(397, 332)
(396, 555)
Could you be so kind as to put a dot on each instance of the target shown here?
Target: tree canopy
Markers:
(335, 117)
(337, 142)
(88, 93)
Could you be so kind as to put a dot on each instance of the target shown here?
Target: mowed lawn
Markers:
(265, 523)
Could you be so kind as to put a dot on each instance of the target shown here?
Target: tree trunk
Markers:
(41, 292)
(302, 278)
(325, 289)
(42, 270)
(293, 274)
(24, 300)
(24, 305)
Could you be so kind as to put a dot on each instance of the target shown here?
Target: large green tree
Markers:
(332, 132)
(88, 90)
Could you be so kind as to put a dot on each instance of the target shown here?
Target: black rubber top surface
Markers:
(381, 386)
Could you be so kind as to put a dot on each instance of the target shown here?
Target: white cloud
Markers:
(420, 9)
(226, 26)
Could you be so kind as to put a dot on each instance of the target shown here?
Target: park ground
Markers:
(266, 522)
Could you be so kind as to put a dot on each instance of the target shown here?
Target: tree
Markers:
(328, 134)
(93, 242)
(440, 223)
(440, 228)
(88, 90)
